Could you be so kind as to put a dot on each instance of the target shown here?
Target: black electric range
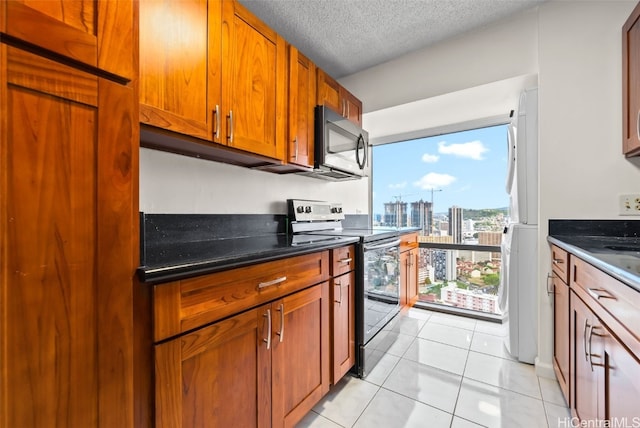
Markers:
(377, 287)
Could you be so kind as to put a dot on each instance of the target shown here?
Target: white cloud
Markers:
(434, 180)
(398, 185)
(472, 150)
(429, 158)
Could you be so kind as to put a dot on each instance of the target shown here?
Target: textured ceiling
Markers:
(346, 36)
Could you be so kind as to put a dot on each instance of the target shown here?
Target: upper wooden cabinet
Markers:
(631, 84)
(302, 100)
(180, 69)
(95, 33)
(332, 94)
(213, 71)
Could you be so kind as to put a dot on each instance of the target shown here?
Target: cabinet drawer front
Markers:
(611, 300)
(194, 302)
(342, 260)
(560, 263)
(407, 242)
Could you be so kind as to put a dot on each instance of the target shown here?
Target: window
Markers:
(452, 187)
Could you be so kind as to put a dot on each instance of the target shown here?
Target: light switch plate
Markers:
(629, 204)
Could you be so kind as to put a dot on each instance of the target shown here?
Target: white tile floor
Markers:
(443, 371)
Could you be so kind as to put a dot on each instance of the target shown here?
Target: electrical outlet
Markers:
(629, 204)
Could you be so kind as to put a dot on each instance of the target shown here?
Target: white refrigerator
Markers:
(519, 279)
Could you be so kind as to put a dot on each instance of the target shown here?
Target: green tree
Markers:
(492, 279)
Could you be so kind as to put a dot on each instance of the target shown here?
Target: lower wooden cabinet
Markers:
(561, 334)
(344, 343)
(409, 269)
(605, 350)
(584, 375)
(264, 367)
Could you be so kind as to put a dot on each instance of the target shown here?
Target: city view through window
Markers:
(453, 188)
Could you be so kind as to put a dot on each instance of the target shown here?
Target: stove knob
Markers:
(307, 209)
(334, 210)
(300, 209)
(339, 209)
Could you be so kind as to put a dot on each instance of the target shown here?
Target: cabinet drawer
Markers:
(560, 263)
(187, 304)
(342, 260)
(611, 300)
(409, 241)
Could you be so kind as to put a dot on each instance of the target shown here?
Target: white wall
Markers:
(582, 169)
(575, 48)
(501, 51)
(176, 184)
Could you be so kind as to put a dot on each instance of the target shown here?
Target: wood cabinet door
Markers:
(66, 214)
(329, 92)
(585, 366)
(254, 83)
(631, 84)
(343, 340)
(622, 379)
(561, 334)
(301, 357)
(352, 106)
(404, 278)
(302, 100)
(180, 66)
(412, 277)
(217, 376)
(99, 34)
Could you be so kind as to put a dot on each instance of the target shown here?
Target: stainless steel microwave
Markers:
(341, 147)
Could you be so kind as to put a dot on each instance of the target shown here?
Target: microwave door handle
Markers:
(382, 246)
(364, 152)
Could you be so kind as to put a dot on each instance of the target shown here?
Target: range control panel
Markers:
(305, 210)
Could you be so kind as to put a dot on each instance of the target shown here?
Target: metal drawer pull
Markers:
(595, 293)
(281, 332)
(268, 339)
(638, 125)
(558, 261)
(345, 260)
(295, 142)
(274, 282)
(591, 355)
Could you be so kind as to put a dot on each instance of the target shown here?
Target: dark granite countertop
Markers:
(612, 246)
(178, 246)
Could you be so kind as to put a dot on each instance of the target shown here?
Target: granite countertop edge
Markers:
(627, 278)
(154, 275)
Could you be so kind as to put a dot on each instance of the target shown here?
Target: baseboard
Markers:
(544, 369)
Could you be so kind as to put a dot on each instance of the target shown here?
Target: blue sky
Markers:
(469, 167)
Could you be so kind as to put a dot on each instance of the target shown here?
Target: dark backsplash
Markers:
(619, 228)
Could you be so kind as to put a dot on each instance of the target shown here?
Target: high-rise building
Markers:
(395, 214)
(422, 216)
(455, 224)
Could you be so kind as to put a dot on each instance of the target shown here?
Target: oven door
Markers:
(381, 285)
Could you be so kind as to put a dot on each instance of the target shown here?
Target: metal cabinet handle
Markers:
(274, 282)
(558, 261)
(344, 110)
(268, 339)
(295, 144)
(216, 130)
(281, 332)
(638, 125)
(591, 354)
(595, 293)
(340, 288)
(230, 136)
(549, 287)
(345, 260)
(584, 336)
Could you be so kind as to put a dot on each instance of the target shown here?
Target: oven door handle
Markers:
(382, 246)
